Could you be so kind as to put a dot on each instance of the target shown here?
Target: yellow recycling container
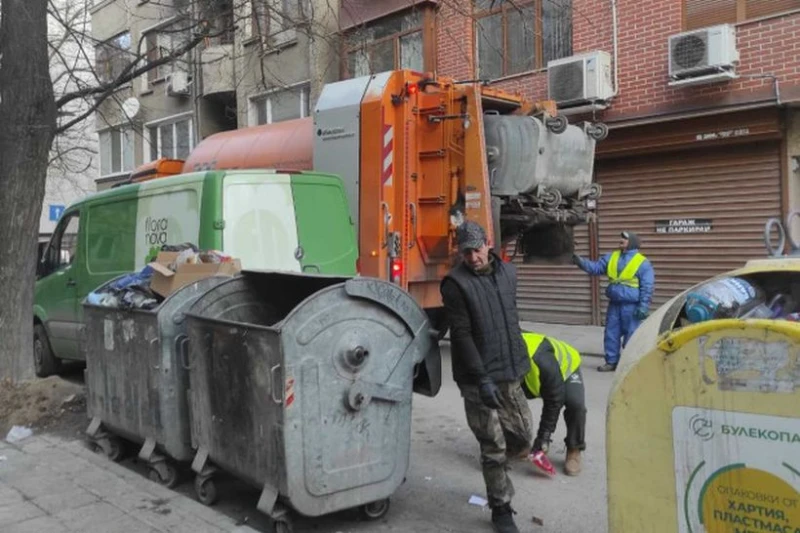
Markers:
(703, 426)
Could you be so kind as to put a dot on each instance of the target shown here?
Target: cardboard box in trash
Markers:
(164, 281)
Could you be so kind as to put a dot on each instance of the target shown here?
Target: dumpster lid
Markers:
(285, 273)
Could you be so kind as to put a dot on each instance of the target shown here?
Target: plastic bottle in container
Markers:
(722, 298)
(776, 308)
(759, 311)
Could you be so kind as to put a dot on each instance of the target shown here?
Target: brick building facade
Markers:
(716, 159)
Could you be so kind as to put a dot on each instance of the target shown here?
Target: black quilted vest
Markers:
(491, 299)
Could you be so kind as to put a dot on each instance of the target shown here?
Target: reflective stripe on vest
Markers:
(569, 359)
(628, 276)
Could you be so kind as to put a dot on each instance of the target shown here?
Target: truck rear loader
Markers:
(418, 155)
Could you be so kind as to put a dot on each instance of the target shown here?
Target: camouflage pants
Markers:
(501, 433)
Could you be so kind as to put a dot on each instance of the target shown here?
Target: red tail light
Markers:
(397, 270)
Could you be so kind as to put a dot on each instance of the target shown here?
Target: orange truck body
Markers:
(411, 149)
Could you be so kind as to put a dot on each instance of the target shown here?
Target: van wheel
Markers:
(44, 362)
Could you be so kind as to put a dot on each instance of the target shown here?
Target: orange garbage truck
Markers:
(418, 155)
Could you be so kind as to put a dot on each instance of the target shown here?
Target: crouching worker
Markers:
(555, 377)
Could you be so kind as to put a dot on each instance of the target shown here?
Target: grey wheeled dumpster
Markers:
(301, 385)
(137, 380)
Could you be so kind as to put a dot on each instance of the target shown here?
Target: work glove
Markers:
(641, 313)
(541, 443)
(576, 259)
(490, 394)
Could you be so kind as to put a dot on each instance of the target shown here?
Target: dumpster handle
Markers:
(180, 346)
(272, 385)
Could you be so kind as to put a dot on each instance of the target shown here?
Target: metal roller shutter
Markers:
(737, 187)
(556, 294)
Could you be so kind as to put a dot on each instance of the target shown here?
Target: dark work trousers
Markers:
(575, 411)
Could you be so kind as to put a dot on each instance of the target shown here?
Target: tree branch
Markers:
(129, 73)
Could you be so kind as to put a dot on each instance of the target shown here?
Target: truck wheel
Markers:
(44, 362)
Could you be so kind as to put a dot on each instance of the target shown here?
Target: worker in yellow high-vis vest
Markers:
(555, 377)
(630, 291)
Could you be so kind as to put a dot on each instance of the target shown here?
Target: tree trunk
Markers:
(27, 126)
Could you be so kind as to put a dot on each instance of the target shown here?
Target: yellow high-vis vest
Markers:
(569, 359)
(628, 275)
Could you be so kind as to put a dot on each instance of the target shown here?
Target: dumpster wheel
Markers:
(375, 510)
(206, 490)
(165, 474)
(283, 525)
(111, 447)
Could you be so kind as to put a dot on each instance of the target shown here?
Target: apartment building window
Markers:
(117, 147)
(277, 106)
(220, 15)
(113, 56)
(172, 139)
(161, 43)
(519, 36)
(276, 20)
(703, 13)
(389, 43)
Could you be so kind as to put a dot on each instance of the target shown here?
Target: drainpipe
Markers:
(614, 31)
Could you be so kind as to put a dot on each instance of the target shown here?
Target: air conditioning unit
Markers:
(178, 84)
(708, 54)
(580, 79)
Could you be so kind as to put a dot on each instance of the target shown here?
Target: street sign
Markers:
(55, 212)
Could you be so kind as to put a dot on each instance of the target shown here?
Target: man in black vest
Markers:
(490, 360)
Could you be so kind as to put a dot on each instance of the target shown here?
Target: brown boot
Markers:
(573, 465)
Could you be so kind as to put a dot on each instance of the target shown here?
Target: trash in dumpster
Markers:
(753, 296)
(127, 292)
(173, 268)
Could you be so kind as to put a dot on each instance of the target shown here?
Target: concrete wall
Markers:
(111, 18)
(312, 56)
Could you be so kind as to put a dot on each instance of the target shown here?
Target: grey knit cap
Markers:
(470, 236)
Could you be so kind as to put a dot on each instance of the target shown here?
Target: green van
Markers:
(298, 221)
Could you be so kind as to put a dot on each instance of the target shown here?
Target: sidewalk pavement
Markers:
(59, 486)
(588, 340)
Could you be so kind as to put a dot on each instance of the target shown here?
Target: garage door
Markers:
(556, 294)
(710, 207)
